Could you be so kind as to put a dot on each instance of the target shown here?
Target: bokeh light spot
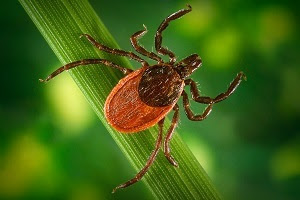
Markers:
(286, 161)
(25, 160)
(222, 49)
(85, 192)
(70, 107)
(289, 98)
(203, 154)
(276, 26)
(195, 23)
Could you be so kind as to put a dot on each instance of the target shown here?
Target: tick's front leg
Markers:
(134, 41)
(158, 37)
(233, 85)
(208, 100)
(188, 111)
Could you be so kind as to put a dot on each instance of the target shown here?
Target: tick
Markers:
(145, 96)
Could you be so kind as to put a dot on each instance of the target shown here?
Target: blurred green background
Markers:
(249, 145)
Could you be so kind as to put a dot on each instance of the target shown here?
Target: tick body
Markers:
(144, 97)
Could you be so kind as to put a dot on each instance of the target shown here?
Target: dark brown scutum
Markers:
(160, 86)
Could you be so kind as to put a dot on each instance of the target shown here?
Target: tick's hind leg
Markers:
(208, 100)
(158, 37)
(149, 162)
(169, 136)
(134, 41)
(114, 51)
(86, 62)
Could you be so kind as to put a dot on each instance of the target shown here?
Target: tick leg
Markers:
(233, 85)
(114, 51)
(158, 37)
(134, 41)
(169, 136)
(149, 162)
(86, 62)
(188, 111)
(208, 100)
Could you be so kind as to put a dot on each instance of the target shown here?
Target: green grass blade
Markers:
(61, 22)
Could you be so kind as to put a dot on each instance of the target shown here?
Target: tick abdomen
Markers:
(160, 86)
(125, 110)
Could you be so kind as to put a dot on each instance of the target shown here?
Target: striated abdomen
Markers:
(125, 111)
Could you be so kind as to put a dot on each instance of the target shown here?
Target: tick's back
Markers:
(160, 86)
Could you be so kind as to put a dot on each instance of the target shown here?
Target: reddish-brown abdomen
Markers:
(125, 111)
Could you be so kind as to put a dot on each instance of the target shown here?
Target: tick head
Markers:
(188, 65)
